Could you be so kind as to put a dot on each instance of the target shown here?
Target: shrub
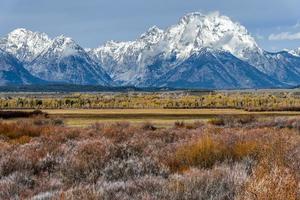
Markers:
(243, 149)
(204, 153)
(21, 114)
(217, 121)
(122, 161)
(148, 126)
(179, 124)
(132, 168)
(85, 161)
(16, 130)
(208, 151)
(43, 122)
(275, 183)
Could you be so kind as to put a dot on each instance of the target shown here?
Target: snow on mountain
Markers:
(24, 44)
(159, 56)
(195, 31)
(295, 52)
(130, 62)
(283, 66)
(60, 59)
(65, 61)
(12, 71)
(215, 69)
(123, 60)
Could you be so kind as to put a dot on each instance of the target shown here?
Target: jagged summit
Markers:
(25, 44)
(57, 60)
(196, 30)
(153, 35)
(65, 61)
(64, 46)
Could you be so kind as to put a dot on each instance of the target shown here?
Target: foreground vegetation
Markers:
(225, 158)
(249, 101)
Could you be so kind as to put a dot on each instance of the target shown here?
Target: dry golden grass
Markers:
(209, 150)
(243, 158)
(158, 111)
(160, 117)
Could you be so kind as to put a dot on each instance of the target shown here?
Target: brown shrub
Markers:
(245, 148)
(217, 121)
(179, 124)
(26, 158)
(117, 132)
(85, 161)
(274, 183)
(123, 161)
(204, 153)
(209, 150)
(148, 126)
(15, 130)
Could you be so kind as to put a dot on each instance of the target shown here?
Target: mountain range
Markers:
(200, 51)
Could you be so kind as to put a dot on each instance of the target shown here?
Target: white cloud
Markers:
(297, 25)
(285, 36)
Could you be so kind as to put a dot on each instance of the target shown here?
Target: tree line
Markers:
(246, 101)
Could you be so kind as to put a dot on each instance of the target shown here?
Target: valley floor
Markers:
(159, 117)
(229, 156)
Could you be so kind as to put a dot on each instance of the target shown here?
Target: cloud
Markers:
(285, 36)
(297, 25)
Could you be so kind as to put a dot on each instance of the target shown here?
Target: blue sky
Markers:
(274, 23)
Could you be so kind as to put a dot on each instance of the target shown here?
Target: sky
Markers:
(274, 23)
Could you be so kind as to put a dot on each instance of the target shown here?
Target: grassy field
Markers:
(160, 117)
(231, 157)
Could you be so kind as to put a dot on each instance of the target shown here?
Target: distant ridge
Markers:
(160, 58)
(61, 88)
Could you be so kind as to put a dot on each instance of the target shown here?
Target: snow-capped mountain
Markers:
(12, 71)
(125, 60)
(129, 62)
(58, 60)
(203, 51)
(24, 44)
(65, 61)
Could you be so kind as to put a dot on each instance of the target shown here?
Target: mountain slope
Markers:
(12, 72)
(213, 69)
(65, 61)
(283, 66)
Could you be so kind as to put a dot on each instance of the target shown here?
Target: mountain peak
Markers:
(20, 31)
(153, 30)
(200, 17)
(64, 38)
(196, 30)
(188, 17)
(25, 44)
(153, 35)
(23, 34)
